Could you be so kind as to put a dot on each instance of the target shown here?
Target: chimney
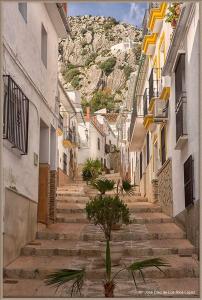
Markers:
(87, 114)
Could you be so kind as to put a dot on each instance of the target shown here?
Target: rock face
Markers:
(88, 63)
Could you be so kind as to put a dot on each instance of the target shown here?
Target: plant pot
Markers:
(116, 226)
(109, 287)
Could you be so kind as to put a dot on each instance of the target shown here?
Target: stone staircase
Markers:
(74, 243)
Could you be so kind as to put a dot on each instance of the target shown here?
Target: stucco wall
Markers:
(191, 46)
(165, 188)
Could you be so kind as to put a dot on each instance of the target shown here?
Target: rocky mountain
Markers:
(92, 61)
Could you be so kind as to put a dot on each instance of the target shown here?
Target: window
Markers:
(188, 181)
(16, 115)
(44, 39)
(163, 145)
(98, 144)
(141, 165)
(22, 6)
(180, 98)
(65, 162)
(148, 152)
(180, 78)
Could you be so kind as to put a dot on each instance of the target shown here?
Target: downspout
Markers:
(1, 156)
(200, 110)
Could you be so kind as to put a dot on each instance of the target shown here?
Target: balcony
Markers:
(157, 13)
(149, 44)
(60, 125)
(148, 117)
(137, 129)
(181, 128)
(155, 84)
(15, 116)
(70, 139)
(165, 88)
(160, 111)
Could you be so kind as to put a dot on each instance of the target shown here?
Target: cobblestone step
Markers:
(137, 248)
(132, 232)
(38, 267)
(145, 218)
(72, 218)
(35, 288)
(137, 207)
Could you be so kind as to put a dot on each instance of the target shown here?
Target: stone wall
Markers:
(44, 193)
(53, 187)
(62, 178)
(165, 197)
(189, 220)
(20, 224)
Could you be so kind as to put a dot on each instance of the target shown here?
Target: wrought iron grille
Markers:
(65, 162)
(188, 180)
(60, 122)
(15, 115)
(154, 83)
(146, 102)
(181, 118)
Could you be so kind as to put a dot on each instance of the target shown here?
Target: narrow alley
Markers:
(101, 149)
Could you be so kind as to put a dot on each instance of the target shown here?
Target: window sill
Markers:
(181, 142)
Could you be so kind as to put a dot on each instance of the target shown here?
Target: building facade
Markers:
(164, 132)
(30, 118)
(68, 139)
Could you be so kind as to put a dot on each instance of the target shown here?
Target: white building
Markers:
(122, 47)
(68, 139)
(164, 141)
(96, 139)
(30, 63)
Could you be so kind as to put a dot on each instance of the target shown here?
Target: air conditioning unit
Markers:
(160, 111)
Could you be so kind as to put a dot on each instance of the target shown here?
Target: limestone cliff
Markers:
(100, 56)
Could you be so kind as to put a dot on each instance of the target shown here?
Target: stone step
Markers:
(133, 207)
(132, 232)
(72, 199)
(161, 287)
(145, 218)
(135, 198)
(38, 267)
(72, 218)
(137, 248)
(71, 194)
(70, 231)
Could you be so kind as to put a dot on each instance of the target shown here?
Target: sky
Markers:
(128, 12)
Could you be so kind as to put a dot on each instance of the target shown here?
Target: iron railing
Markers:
(146, 102)
(70, 135)
(154, 83)
(138, 111)
(181, 117)
(60, 122)
(15, 115)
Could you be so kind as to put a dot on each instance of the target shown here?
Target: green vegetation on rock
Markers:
(108, 65)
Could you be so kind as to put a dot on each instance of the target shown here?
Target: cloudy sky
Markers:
(130, 12)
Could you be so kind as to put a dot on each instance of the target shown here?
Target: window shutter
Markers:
(140, 165)
(163, 146)
(148, 154)
(188, 181)
(179, 78)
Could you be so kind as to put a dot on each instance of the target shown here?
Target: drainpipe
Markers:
(1, 156)
(200, 107)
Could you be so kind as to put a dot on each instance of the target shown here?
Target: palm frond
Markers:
(153, 262)
(62, 277)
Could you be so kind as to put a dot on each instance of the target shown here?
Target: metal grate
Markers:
(146, 102)
(163, 145)
(154, 83)
(65, 162)
(181, 118)
(60, 122)
(15, 115)
(188, 181)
